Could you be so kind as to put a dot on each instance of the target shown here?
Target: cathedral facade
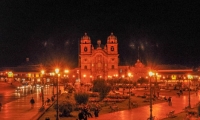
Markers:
(100, 61)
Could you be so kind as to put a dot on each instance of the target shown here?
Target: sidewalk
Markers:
(20, 109)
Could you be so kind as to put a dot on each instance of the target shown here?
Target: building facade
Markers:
(100, 61)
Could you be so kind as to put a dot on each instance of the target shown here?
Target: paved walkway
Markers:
(21, 109)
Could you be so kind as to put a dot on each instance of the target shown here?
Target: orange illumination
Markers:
(10, 74)
(190, 76)
(57, 70)
(129, 74)
(66, 71)
(42, 71)
(151, 73)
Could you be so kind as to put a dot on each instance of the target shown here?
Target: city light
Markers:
(57, 110)
(151, 108)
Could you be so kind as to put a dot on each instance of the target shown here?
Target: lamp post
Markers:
(156, 84)
(129, 102)
(42, 92)
(57, 116)
(53, 83)
(189, 78)
(150, 75)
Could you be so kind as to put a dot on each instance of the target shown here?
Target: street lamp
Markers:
(156, 83)
(129, 75)
(189, 78)
(57, 116)
(150, 74)
(42, 92)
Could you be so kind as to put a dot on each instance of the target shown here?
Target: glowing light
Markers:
(57, 70)
(129, 74)
(66, 71)
(84, 75)
(151, 73)
(190, 76)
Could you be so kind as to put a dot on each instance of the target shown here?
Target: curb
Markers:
(43, 112)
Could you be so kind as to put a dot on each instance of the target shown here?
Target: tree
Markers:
(102, 87)
(142, 80)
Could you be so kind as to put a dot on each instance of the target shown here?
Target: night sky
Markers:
(48, 31)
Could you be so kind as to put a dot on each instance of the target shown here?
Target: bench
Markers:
(41, 109)
(114, 108)
(134, 104)
(170, 114)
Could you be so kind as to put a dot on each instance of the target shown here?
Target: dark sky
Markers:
(48, 31)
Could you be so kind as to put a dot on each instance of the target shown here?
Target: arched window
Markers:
(112, 48)
(113, 67)
(85, 67)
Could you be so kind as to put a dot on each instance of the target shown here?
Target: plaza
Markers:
(21, 110)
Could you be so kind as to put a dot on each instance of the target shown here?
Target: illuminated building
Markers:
(100, 61)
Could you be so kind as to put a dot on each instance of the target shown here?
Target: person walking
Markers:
(52, 98)
(170, 101)
(32, 101)
(0, 106)
(96, 112)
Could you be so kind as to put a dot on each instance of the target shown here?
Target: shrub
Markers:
(81, 97)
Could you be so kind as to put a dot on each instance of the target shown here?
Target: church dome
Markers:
(85, 37)
(139, 64)
(112, 36)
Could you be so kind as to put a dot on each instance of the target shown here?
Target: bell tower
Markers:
(112, 45)
(112, 55)
(85, 58)
(85, 46)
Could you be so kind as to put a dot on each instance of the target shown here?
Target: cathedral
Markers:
(98, 62)
(102, 61)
